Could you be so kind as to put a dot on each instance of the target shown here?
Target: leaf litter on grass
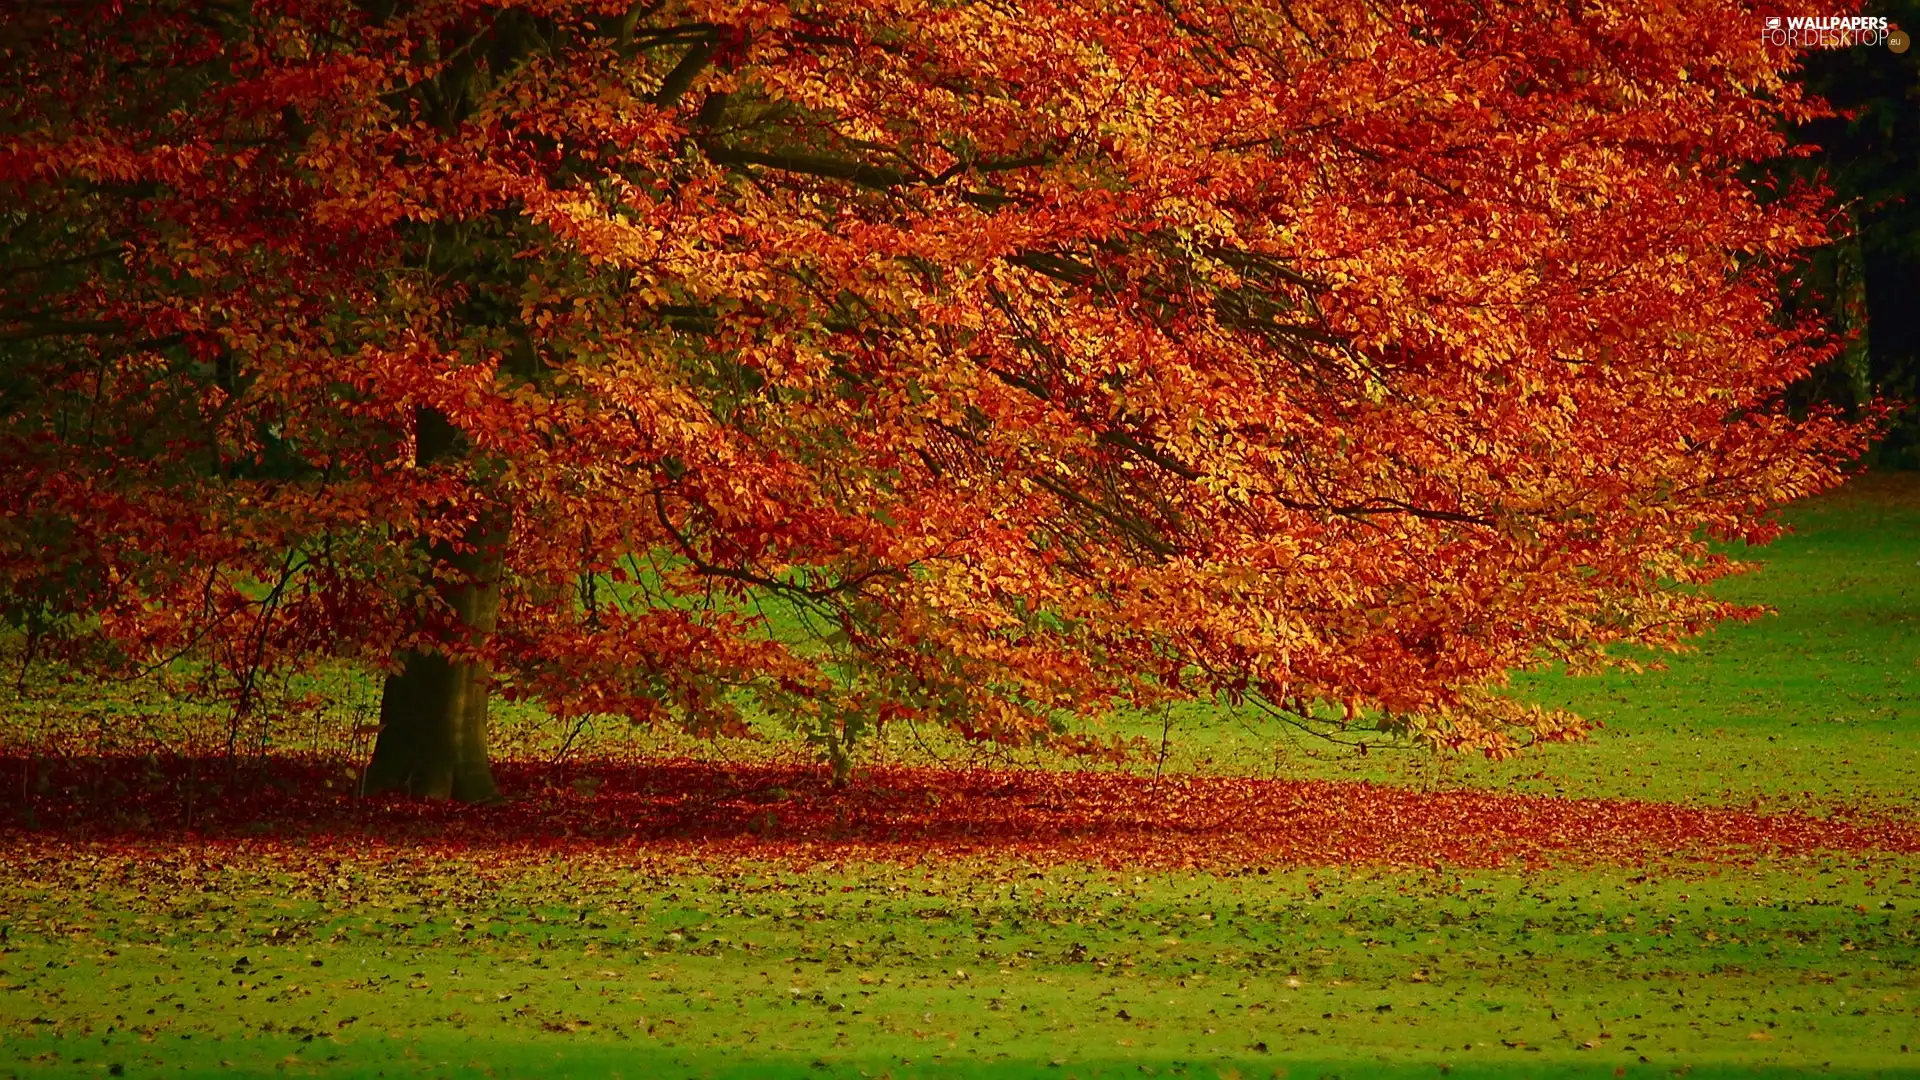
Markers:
(422, 962)
(938, 923)
(678, 918)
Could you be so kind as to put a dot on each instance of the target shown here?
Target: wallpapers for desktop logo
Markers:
(1832, 32)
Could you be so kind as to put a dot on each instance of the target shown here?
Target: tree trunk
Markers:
(433, 711)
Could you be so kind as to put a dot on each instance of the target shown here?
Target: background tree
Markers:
(1868, 150)
(864, 362)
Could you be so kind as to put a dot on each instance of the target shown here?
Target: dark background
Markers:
(1871, 158)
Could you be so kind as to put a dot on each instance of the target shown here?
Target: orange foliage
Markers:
(1021, 360)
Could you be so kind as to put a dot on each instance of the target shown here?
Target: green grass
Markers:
(959, 970)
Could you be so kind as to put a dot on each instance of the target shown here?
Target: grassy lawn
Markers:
(437, 966)
(156, 955)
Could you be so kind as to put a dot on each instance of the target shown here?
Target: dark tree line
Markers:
(1870, 155)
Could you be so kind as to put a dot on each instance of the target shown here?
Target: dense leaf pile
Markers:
(776, 811)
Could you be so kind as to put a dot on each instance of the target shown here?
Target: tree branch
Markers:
(747, 577)
(680, 79)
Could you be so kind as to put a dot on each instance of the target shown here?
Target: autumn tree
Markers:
(987, 365)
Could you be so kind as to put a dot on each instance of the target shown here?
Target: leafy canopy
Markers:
(876, 360)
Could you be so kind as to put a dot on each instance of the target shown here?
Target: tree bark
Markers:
(433, 711)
